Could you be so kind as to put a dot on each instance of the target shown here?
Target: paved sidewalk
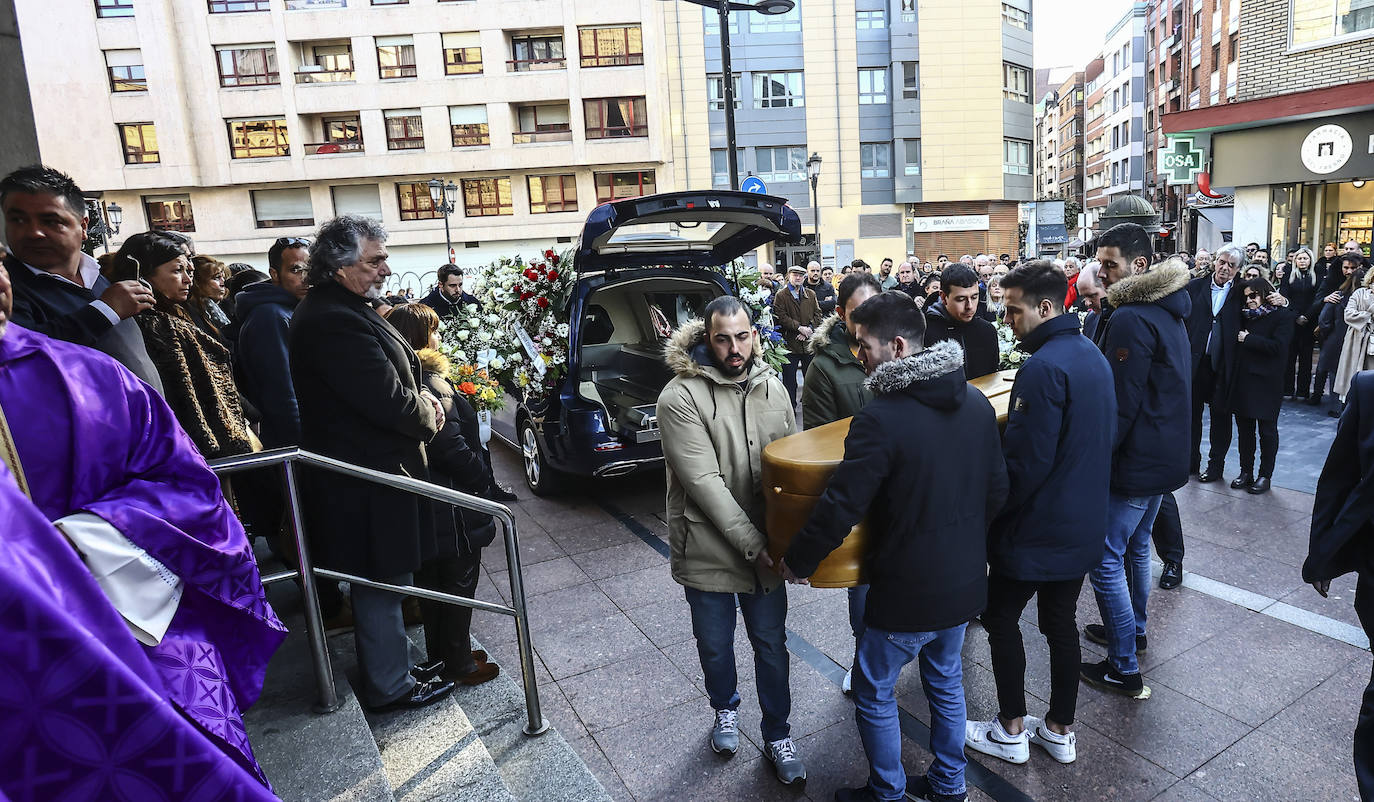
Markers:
(1256, 679)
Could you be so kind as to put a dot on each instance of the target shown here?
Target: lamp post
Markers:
(723, 9)
(444, 196)
(813, 172)
(114, 215)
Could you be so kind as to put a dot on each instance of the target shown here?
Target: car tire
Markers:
(541, 479)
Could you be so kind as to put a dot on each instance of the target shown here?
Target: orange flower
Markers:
(468, 388)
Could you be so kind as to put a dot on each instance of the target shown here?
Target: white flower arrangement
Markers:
(1009, 353)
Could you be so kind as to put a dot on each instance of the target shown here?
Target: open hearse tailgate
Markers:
(683, 228)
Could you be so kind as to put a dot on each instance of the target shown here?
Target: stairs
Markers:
(469, 747)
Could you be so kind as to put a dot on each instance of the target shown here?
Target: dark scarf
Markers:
(1256, 314)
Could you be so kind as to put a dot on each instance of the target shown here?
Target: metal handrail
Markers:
(314, 621)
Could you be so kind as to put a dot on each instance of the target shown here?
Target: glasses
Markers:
(293, 242)
(1251, 295)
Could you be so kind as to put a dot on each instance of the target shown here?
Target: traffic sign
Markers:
(753, 184)
(1182, 160)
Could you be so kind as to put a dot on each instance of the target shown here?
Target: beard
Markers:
(733, 372)
(374, 293)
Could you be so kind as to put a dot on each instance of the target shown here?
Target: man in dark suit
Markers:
(1342, 534)
(1299, 286)
(1213, 325)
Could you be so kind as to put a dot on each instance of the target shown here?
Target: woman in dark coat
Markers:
(358, 388)
(1257, 385)
(455, 460)
(1331, 328)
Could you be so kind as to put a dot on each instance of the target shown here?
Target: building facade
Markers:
(1115, 116)
(241, 121)
(925, 132)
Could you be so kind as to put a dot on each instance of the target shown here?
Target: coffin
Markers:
(795, 472)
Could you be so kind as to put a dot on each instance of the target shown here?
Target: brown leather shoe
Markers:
(484, 672)
(479, 656)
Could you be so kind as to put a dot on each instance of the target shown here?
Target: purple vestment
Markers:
(93, 438)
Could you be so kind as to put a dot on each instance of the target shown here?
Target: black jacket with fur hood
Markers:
(929, 499)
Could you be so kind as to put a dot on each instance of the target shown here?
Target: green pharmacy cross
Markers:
(1182, 161)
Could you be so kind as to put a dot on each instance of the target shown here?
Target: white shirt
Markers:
(1219, 296)
(88, 271)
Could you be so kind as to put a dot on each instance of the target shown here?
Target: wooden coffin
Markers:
(797, 468)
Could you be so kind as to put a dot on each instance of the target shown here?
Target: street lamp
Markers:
(444, 196)
(114, 216)
(723, 9)
(813, 172)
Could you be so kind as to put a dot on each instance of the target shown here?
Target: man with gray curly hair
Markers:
(358, 388)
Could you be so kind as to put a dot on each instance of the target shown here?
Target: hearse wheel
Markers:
(539, 477)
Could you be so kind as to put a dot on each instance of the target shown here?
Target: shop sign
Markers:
(951, 222)
(1337, 148)
(1181, 160)
(1327, 149)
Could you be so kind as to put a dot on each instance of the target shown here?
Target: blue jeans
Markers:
(765, 619)
(881, 656)
(1121, 581)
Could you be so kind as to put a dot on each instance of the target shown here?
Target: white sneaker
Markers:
(847, 687)
(1061, 747)
(991, 738)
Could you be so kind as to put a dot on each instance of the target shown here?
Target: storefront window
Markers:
(1337, 212)
(1283, 201)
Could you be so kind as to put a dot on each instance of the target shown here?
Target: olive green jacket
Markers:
(834, 387)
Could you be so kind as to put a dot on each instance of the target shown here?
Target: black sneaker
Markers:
(918, 788)
(1098, 634)
(1103, 676)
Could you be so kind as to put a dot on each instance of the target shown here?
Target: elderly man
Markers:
(58, 289)
(1091, 296)
(908, 282)
(103, 459)
(1213, 326)
(798, 314)
(360, 398)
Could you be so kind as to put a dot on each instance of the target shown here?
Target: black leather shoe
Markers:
(1172, 576)
(1261, 485)
(1243, 481)
(423, 694)
(1313, 401)
(503, 493)
(427, 671)
(1209, 475)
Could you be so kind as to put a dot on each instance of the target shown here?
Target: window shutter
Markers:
(283, 204)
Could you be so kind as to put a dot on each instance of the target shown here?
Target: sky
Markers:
(1069, 33)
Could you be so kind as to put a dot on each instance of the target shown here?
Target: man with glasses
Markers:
(1212, 328)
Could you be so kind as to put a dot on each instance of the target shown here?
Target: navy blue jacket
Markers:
(262, 367)
(443, 307)
(928, 498)
(1058, 447)
(1343, 511)
(1146, 344)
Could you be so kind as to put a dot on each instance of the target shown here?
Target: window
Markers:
(114, 8)
(486, 197)
(1017, 17)
(395, 57)
(781, 164)
(125, 68)
(259, 138)
(536, 53)
(776, 23)
(911, 162)
(720, 169)
(140, 143)
(872, 87)
(404, 129)
(777, 90)
(611, 117)
(1016, 157)
(1194, 77)
(414, 202)
(462, 53)
(254, 65)
(911, 80)
(875, 160)
(363, 200)
(235, 6)
(1231, 47)
(715, 92)
(1116, 173)
(908, 10)
(170, 213)
(469, 126)
(872, 20)
(331, 63)
(282, 208)
(617, 186)
(342, 130)
(552, 193)
(711, 21)
(543, 123)
(617, 46)
(1016, 82)
(1216, 56)
(1125, 94)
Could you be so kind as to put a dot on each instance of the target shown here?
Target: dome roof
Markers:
(1129, 209)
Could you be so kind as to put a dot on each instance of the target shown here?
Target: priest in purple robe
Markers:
(103, 459)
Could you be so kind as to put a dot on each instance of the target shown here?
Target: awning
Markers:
(1222, 217)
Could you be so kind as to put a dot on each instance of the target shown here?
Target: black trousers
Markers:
(1057, 605)
(1364, 726)
(1167, 533)
(1297, 375)
(1268, 445)
(1207, 392)
(448, 627)
(795, 362)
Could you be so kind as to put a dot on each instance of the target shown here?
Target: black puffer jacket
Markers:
(977, 338)
(456, 460)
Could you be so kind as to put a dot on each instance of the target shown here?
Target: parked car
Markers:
(644, 267)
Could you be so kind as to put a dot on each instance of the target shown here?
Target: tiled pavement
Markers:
(1245, 706)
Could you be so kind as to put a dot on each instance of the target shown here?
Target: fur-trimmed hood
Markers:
(687, 356)
(1151, 286)
(821, 337)
(432, 361)
(935, 375)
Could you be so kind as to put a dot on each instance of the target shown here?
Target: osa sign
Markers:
(1182, 160)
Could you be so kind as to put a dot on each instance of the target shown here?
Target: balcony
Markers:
(315, 74)
(536, 64)
(333, 148)
(1176, 38)
(530, 137)
(313, 5)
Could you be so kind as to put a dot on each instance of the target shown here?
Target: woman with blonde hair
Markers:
(207, 291)
(1359, 335)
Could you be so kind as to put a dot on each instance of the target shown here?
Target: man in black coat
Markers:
(449, 298)
(1213, 325)
(1342, 536)
(358, 387)
(955, 317)
(1058, 448)
(1299, 286)
(824, 290)
(928, 517)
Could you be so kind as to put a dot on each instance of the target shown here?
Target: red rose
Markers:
(549, 254)
(554, 259)
(543, 303)
(553, 275)
(531, 274)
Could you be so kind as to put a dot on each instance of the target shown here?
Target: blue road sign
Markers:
(753, 184)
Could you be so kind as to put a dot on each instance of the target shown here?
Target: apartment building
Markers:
(1115, 116)
(1060, 158)
(920, 110)
(241, 121)
(1047, 145)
